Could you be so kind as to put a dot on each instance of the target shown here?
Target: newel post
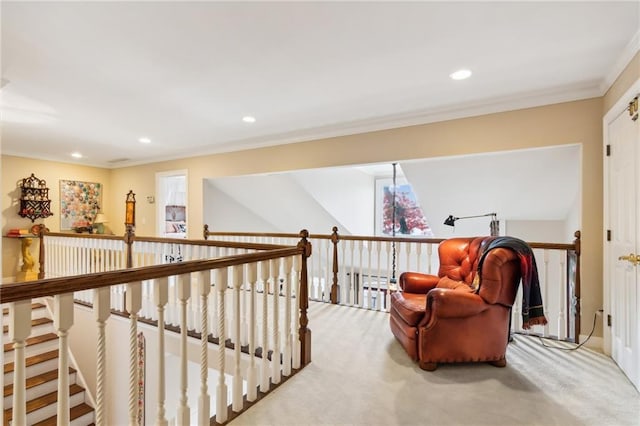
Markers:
(335, 238)
(129, 236)
(578, 248)
(43, 229)
(304, 334)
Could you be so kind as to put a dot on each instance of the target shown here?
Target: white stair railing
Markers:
(365, 269)
(280, 266)
(102, 310)
(133, 303)
(204, 400)
(221, 283)
(19, 329)
(184, 293)
(62, 322)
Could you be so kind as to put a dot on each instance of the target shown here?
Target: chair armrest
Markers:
(446, 303)
(415, 282)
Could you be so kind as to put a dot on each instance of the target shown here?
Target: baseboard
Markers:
(595, 343)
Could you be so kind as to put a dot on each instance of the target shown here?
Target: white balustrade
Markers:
(102, 311)
(289, 275)
(252, 373)
(269, 328)
(264, 371)
(161, 297)
(327, 250)
(19, 330)
(237, 375)
(184, 292)
(133, 303)
(274, 268)
(297, 267)
(221, 389)
(62, 322)
(204, 400)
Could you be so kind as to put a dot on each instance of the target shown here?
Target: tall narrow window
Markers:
(409, 217)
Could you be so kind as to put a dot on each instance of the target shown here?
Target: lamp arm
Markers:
(479, 215)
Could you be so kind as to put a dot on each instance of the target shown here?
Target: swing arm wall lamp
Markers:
(494, 227)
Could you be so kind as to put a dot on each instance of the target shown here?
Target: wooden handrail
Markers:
(14, 292)
(535, 245)
(207, 234)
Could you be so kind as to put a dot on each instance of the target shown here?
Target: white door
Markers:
(623, 249)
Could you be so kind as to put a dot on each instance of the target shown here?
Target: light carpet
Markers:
(360, 375)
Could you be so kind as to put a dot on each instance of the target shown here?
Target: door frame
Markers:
(161, 197)
(609, 117)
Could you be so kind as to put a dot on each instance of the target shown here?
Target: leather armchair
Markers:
(450, 318)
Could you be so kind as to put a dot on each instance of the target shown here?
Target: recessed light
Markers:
(248, 119)
(76, 155)
(144, 140)
(460, 74)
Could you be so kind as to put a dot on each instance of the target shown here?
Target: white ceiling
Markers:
(93, 77)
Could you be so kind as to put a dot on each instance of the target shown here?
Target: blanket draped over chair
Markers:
(532, 310)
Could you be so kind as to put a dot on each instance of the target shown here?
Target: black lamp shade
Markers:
(450, 221)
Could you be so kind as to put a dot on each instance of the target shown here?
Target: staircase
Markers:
(42, 376)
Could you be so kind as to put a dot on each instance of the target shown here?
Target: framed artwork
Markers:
(79, 203)
(176, 213)
(410, 219)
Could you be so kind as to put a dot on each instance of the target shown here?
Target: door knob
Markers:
(634, 259)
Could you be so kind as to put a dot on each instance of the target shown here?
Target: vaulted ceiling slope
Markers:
(267, 203)
(526, 185)
(540, 184)
(94, 77)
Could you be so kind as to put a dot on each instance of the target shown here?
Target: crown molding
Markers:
(523, 100)
(624, 59)
(585, 90)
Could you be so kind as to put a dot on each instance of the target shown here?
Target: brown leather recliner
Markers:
(448, 318)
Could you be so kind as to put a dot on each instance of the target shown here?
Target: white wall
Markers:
(224, 213)
(315, 200)
(83, 343)
(572, 223)
(466, 228)
(512, 184)
(542, 231)
(346, 193)
(529, 184)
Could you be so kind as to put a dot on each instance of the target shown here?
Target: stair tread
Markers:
(42, 401)
(34, 340)
(34, 306)
(34, 323)
(36, 380)
(33, 360)
(76, 412)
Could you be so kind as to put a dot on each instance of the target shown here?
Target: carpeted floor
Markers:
(360, 375)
